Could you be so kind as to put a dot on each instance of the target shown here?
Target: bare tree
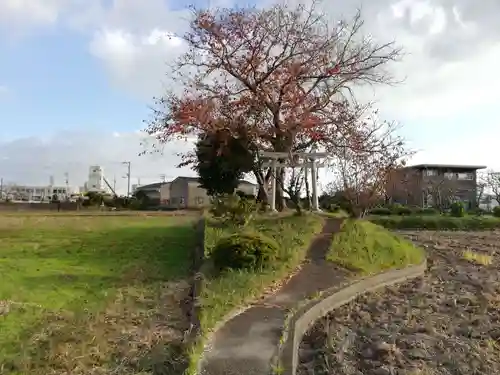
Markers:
(492, 183)
(293, 186)
(362, 176)
(481, 185)
(442, 192)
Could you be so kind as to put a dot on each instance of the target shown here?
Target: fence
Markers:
(26, 206)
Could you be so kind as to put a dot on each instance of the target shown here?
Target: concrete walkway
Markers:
(247, 343)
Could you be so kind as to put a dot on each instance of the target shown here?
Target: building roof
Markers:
(153, 186)
(449, 166)
(195, 179)
(158, 185)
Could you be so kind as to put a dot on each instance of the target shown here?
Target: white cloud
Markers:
(135, 51)
(136, 62)
(34, 160)
(421, 11)
(452, 87)
(19, 16)
(451, 47)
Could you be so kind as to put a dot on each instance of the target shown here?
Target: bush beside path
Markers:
(352, 252)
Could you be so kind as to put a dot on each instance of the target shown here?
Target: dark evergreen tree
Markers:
(221, 161)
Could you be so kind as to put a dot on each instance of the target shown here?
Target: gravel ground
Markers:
(447, 322)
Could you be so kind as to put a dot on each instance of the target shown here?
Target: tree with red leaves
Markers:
(284, 77)
(362, 176)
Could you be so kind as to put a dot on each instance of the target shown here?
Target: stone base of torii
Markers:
(309, 162)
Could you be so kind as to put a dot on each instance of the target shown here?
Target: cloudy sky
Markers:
(77, 76)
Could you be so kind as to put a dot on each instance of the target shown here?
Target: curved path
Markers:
(247, 343)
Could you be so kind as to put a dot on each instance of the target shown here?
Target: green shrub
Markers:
(477, 211)
(457, 209)
(399, 209)
(380, 211)
(244, 250)
(333, 208)
(233, 208)
(403, 211)
(395, 207)
(426, 211)
(496, 211)
(437, 222)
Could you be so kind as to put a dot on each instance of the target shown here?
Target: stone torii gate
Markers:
(309, 161)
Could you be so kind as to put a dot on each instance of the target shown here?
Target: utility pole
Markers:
(114, 182)
(66, 180)
(127, 163)
(1, 188)
(163, 178)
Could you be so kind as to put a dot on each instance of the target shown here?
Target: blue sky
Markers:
(77, 76)
(55, 84)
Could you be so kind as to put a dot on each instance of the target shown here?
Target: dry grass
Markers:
(93, 295)
(132, 334)
(478, 258)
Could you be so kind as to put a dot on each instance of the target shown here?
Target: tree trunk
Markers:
(263, 182)
(298, 205)
(280, 196)
(262, 195)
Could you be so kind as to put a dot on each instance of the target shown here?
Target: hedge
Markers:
(437, 222)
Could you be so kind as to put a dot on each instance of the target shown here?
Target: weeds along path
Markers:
(247, 342)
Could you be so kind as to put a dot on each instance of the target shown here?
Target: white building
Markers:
(95, 182)
(37, 193)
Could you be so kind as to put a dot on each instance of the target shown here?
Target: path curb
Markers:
(299, 321)
(192, 334)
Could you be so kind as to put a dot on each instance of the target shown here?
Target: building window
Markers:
(465, 176)
(431, 172)
(449, 175)
(199, 201)
(181, 200)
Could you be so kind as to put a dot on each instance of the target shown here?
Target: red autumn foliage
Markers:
(262, 69)
(334, 70)
(268, 73)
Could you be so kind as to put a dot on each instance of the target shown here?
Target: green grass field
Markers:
(90, 294)
(368, 248)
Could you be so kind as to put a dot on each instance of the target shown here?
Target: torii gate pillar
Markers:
(309, 163)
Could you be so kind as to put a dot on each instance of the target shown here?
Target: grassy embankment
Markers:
(367, 248)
